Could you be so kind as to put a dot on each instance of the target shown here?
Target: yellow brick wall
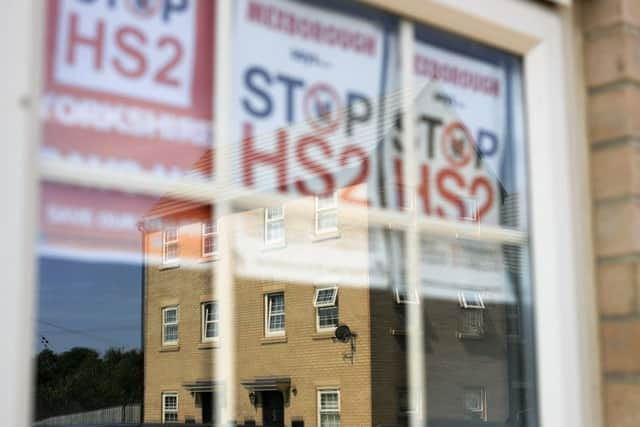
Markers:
(612, 58)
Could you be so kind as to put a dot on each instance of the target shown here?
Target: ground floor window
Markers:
(169, 407)
(329, 408)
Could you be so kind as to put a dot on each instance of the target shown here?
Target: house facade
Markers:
(301, 269)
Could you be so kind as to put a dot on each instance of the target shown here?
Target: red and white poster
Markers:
(128, 86)
(460, 124)
(307, 88)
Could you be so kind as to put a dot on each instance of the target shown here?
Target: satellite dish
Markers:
(343, 333)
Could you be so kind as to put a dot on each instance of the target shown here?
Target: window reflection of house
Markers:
(289, 299)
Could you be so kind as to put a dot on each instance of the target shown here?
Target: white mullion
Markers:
(223, 360)
(415, 352)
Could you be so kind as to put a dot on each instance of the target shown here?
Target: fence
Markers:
(128, 414)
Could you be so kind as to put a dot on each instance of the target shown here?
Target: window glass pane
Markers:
(314, 128)
(328, 317)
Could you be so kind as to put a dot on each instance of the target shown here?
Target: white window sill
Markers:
(274, 245)
(326, 235)
(323, 334)
(169, 348)
(169, 265)
(276, 339)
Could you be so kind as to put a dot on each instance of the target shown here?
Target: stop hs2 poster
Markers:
(316, 109)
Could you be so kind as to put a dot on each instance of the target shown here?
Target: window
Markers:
(210, 320)
(170, 245)
(471, 324)
(274, 322)
(274, 226)
(327, 214)
(470, 300)
(210, 239)
(329, 408)
(170, 326)
(169, 407)
(325, 301)
(475, 405)
(405, 297)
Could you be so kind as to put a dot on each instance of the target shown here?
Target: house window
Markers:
(170, 325)
(326, 303)
(475, 405)
(169, 407)
(209, 239)
(274, 309)
(170, 245)
(329, 408)
(274, 226)
(404, 296)
(469, 299)
(327, 214)
(471, 323)
(210, 320)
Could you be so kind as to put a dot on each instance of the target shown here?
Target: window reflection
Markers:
(292, 296)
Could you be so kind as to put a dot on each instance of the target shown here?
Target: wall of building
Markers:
(612, 58)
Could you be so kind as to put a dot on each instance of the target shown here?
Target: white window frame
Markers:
(268, 313)
(403, 296)
(268, 221)
(166, 394)
(166, 243)
(568, 368)
(165, 324)
(320, 210)
(465, 303)
(319, 306)
(205, 322)
(328, 390)
(213, 234)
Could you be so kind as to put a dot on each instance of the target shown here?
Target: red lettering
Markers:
(477, 183)
(75, 39)
(397, 168)
(323, 173)
(423, 189)
(136, 55)
(444, 175)
(251, 157)
(361, 155)
(163, 76)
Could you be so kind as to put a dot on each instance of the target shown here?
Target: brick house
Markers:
(300, 269)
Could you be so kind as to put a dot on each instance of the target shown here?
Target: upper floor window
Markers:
(275, 316)
(210, 238)
(329, 408)
(170, 245)
(326, 303)
(274, 226)
(471, 324)
(210, 321)
(169, 407)
(326, 218)
(170, 325)
(469, 299)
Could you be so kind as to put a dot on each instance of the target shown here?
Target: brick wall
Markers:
(612, 58)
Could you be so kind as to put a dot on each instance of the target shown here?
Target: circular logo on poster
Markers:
(457, 144)
(322, 108)
(143, 8)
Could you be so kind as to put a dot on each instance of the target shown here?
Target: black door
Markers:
(272, 409)
(206, 399)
